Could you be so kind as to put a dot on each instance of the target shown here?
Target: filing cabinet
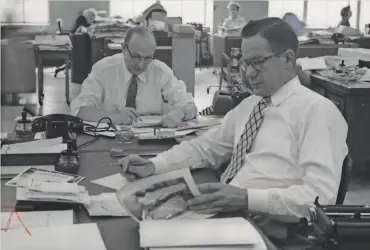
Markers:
(353, 100)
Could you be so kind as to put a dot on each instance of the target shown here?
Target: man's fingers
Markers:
(130, 177)
(203, 198)
(208, 211)
(209, 187)
(209, 205)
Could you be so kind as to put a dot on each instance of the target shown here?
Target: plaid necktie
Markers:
(250, 131)
(131, 93)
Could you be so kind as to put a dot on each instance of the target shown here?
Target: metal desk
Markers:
(117, 232)
(47, 53)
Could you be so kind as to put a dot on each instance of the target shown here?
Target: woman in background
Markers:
(234, 22)
(346, 14)
(84, 21)
(297, 25)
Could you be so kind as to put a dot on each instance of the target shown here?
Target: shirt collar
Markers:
(285, 91)
(127, 74)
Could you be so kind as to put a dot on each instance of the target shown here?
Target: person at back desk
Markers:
(125, 86)
(234, 22)
(84, 21)
(346, 14)
(286, 143)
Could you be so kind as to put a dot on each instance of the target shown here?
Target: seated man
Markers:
(124, 86)
(286, 143)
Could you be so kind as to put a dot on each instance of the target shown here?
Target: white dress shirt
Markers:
(107, 84)
(230, 23)
(297, 154)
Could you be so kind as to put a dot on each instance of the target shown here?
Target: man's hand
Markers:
(135, 167)
(217, 197)
(126, 116)
(173, 119)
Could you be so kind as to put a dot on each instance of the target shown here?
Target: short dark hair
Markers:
(344, 12)
(279, 35)
(139, 30)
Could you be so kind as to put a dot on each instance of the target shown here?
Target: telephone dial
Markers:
(58, 125)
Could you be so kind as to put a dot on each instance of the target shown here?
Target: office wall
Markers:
(68, 11)
(250, 10)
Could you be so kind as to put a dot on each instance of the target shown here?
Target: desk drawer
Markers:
(339, 101)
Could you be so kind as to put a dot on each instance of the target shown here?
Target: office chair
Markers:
(61, 31)
(344, 181)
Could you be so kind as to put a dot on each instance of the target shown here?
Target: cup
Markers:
(125, 135)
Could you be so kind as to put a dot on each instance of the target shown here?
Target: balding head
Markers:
(138, 48)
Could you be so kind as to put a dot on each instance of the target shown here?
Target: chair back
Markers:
(344, 182)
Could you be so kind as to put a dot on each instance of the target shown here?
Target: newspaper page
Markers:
(161, 196)
(36, 174)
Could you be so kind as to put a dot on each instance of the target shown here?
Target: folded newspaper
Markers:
(161, 196)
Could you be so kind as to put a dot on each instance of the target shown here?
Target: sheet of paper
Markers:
(105, 204)
(151, 136)
(312, 63)
(15, 170)
(38, 219)
(148, 121)
(33, 147)
(115, 181)
(38, 174)
(24, 194)
(63, 237)
(208, 232)
(205, 248)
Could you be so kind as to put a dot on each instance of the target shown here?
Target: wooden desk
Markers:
(47, 53)
(117, 232)
(353, 100)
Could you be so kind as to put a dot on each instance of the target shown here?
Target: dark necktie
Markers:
(131, 93)
(249, 134)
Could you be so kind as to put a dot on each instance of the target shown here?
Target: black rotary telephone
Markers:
(58, 125)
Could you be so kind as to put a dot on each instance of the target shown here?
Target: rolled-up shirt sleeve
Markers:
(174, 92)
(322, 151)
(92, 93)
(212, 148)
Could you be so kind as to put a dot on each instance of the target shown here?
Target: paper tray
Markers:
(29, 159)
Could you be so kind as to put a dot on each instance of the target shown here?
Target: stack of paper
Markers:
(43, 185)
(105, 204)
(312, 63)
(62, 237)
(226, 233)
(36, 147)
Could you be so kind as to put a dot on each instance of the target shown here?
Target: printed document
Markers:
(62, 237)
(208, 233)
(37, 219)
(115, 181)
(37, 174)
(105, 204)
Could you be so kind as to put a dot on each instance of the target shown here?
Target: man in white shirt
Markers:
(133, 83)
(287, 143)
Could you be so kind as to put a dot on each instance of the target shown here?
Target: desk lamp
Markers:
(69, 160)
(23, 127)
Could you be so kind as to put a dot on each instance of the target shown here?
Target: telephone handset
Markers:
(56, 125)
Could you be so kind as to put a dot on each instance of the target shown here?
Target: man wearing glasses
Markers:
(286, 144)
(125, 86)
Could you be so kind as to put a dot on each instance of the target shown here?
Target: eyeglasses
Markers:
(257, 63)
(138, 59)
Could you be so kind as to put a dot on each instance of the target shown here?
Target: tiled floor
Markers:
(54, 102)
